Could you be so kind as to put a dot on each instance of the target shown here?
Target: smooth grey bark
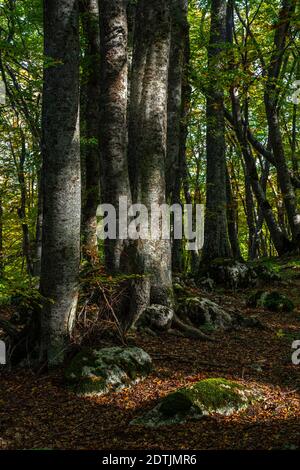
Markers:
(113, 122)
(216, 240)
(176, 138)
(91, 124)
(148, 134)
(271, 96)
(60, 178)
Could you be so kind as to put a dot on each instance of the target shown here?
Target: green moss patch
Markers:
(216, 395)
(274, 301)
(99, 371)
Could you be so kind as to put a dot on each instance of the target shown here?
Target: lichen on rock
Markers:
(209, 396)
(156, 317)
(204, 313)
(95, 372)
(229, 273)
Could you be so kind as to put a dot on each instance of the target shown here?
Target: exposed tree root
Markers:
(190, 331)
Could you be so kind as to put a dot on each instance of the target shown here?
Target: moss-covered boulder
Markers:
(204, 313)
(94, 372)
(265, 273)
(271, 300)
(209, 396)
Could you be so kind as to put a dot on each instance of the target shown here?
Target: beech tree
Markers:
(148, 134)
(113, 109)
(61, 177)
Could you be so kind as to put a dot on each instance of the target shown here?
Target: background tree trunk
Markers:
(216, 241)
(113, 109)
(232, 218)
(91, 125)
(272, 107)
(175, 147)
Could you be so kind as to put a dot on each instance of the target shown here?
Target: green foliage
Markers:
(273, 300)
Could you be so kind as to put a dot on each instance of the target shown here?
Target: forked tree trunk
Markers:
(281, 243)
(148, 134)
(61, 177)
(216, 240)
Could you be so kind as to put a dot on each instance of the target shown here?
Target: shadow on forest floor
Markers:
(38, 412)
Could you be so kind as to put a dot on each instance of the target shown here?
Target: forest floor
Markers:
(37, 412)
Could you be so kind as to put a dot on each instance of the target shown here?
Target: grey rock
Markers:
(95, 372)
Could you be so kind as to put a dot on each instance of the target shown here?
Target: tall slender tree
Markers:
(216, 240)
(90, 117)
(178, 69)
(61, 177)
(271, 98)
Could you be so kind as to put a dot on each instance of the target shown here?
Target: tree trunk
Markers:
(179, 57)
(1, 237)
(260, 218)
(271, 96)
(216, 241)
(26, 245)
(38, 230)
(281, 243)
(91, 125)
(250, 206)
(232, 218)
(61, 177)
(113, 126)
(148, 134)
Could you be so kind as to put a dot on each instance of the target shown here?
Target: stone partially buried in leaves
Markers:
(204, 313)
(156, 317)
(94, 372)
(216, 395)
(274, 301)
